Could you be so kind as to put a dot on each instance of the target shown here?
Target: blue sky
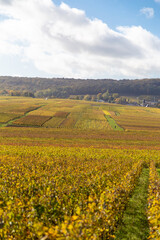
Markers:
(120, 12)
(80, 39)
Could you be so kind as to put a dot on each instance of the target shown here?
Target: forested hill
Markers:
(61, 87)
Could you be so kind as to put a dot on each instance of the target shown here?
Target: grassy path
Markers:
(113, 123)
(158, 170)
(134, 224)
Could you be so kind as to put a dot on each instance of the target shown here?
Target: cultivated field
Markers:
(78, 170)
(55, 113)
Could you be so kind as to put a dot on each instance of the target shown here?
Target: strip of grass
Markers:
(134, 225)
(158, 170)
(113, 123)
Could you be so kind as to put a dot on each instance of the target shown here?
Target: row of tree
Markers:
(17, 93)
(105, 97)
(64, 88)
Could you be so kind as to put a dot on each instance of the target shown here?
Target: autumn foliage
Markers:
(154, 202)
(64, 193)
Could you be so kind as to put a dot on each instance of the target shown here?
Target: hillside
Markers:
(64, 87)
(71, 114)
(78, 167)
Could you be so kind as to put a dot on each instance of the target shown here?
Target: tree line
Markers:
(66, 87)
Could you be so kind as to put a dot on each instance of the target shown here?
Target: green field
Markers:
(78, 170)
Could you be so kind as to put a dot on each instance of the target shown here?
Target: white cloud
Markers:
(157, 1)
(62, 41)
(148, 12)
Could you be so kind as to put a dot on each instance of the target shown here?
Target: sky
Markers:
(118, 39)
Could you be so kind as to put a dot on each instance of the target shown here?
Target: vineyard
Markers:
(71, 193)
(75, 169)
(83, 115)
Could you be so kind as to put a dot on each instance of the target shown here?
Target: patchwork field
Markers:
(31, 120)
(135, 118)
(78, 114)
(78, 170)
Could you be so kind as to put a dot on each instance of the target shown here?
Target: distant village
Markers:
(143, 101)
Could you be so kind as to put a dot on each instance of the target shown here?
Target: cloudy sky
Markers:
(80, 38)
